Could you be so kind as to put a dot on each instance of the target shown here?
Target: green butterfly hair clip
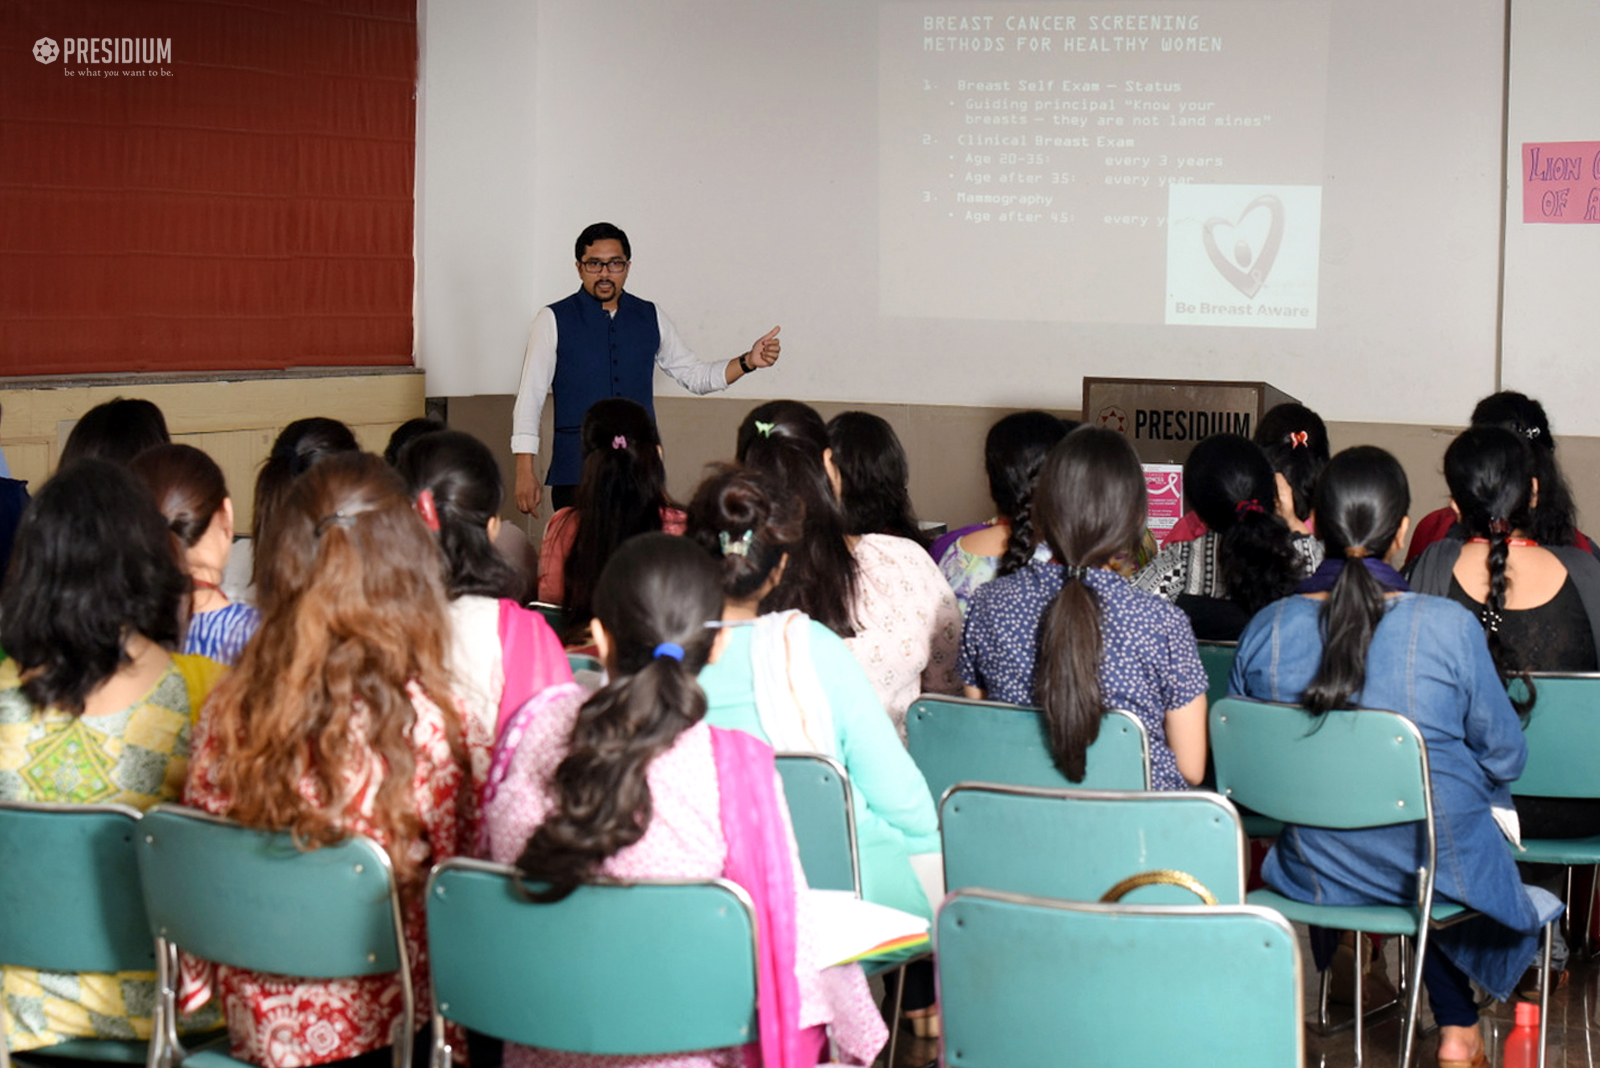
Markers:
(764, 429)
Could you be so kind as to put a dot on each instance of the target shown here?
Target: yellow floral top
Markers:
(137, 757)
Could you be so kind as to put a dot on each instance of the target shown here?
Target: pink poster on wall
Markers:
(1561, 182)
(1163, 484)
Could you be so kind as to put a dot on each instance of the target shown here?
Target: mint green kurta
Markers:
(895, 816)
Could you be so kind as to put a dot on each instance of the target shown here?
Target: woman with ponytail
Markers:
(501, 654)
(882, 594)
(338, 720)
(1013, 452)
(622, 492)
(633, 783)
(1075, 638)
(1354, 636)
(1248, 557)
(299, 447)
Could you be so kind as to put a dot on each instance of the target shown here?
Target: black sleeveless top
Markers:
(1555, 636)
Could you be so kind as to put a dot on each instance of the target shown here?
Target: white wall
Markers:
(1552, 295)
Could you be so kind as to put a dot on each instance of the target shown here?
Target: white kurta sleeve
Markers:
(688, 370)
(538, 371)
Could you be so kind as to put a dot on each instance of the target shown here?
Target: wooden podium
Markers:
(1165, 417)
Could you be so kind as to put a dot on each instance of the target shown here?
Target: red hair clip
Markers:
(1297, 438)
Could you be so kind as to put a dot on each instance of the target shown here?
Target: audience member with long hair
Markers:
(882, 594)
(189, 489)
(501, 654)
(115, 431)
(1295, 440)
(338, 720)
(622, 492)
(632, 782)
(1075, 638)
(94, 708)
(298, 448)
(1539, 605)
(874, 476)
(1554, 516)
(1248, 557)
(1013, 452)
(1354, 635)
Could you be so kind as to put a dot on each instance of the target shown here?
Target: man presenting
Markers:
(598, 343)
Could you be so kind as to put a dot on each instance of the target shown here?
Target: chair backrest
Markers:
(954, 739)
(552, 614)
(69, 889)
(1217, 659)
(650, 967)
(584, 662)
(820, 808)
(251, 899)
(1077, 844)
(1351, 769)
(1563, 736)
(1027, 981)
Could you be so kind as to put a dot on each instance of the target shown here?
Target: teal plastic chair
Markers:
(583, 662)
(1563, 735)
(1032, 981)
(956, 739)
(1077, 844)
(821, 810)
(1355, 769)
(251, 899)
(69, 901)
(644, 968)
(552, 614)
(1217, 659)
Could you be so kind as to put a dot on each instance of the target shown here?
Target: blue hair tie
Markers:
(672, 649)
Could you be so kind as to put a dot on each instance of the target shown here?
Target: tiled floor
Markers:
(1574, 1038)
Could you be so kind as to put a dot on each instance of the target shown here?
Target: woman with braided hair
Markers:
(633, 783)
(1539, 604)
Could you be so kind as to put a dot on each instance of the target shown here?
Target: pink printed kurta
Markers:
(908, 624)
(684, 841)
(282, 1022)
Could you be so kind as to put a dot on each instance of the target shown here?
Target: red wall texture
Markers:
(245, 204)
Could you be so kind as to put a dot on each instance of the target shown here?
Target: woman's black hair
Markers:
(1361, 501)
(93, 563)
(1490, 471)
(656, 589)
(1229, 484)
(746, 524)
(874, 477)
(1089, 504)
(467, 490)
(406, 433)
(299, 447)
(1013, 452)
(786, 441)
(620, 494)
(1555, 517)
(1296, 443)
(187, 486)
(116, 431)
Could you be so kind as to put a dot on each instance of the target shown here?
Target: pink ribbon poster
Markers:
(1164, 484)
(1561, 182)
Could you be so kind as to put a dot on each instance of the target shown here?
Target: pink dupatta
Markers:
(759, 860)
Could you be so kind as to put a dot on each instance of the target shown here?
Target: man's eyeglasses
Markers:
(608, 266)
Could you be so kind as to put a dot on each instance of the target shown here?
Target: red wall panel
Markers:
(246, 205)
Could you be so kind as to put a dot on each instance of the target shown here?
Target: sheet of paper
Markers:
(847, 927)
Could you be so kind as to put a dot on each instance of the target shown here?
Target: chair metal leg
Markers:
(1408, 1027)
(894, 1019)
(1544, 985)
(1360, 1004)
(440, 1056)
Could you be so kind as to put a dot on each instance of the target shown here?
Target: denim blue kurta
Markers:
(1429, 662)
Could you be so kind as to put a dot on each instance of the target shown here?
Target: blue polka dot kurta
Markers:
(1149, 667)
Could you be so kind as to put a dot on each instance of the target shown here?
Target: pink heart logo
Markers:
(1248, 270)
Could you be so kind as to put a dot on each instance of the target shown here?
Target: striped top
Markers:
(220, 634)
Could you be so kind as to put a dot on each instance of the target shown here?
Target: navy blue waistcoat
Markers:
(598, 356)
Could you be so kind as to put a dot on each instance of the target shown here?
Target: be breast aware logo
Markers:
(45, 50)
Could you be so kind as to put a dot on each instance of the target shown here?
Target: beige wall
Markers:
(946, 449)
(235, 421)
